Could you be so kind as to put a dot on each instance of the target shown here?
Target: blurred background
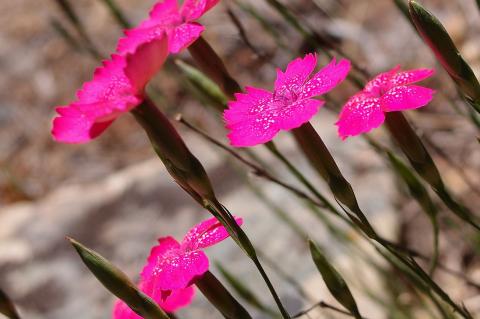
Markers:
(113, 194)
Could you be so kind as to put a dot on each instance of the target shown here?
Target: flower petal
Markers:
(360, 114)
(252, 132)
(122, 311)
(381, 82)
(178, 270)
(410, 76)
(169, 267)
(247, 105)
(166, 244)
(164, 9)
(137, 36)
(145, 62)
(406, 97)
(183, 35)
(177, 299)
(109, 82)
(326, 79)
(206, 233)
(76, 129)
(251, 118)
(194, 9)
(296, 74)
(298, 113)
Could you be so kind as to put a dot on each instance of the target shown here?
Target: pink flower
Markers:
(388, 92)
(177, 22)
(172, 268)
(256, 116)
(116, 88)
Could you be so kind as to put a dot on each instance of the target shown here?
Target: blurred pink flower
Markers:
(172, 268)
(177, 22)
(116, 88)
(256, 116)
(388, 92)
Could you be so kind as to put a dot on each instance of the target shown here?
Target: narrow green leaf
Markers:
(67, 9)
(244, 292)
(117, 13)
(334, 281)
(421, 160)
(65, 34)
(219, 296)
(6, 306)
(266, 25)
(420, 193)
(70, 14)
(437, 38)
(118, 283)
(201, 82)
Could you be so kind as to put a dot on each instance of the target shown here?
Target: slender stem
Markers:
(300, 177)
(398, 247)
(257, 170)
(323, 304)
(271, 288)
(422, 162)
(237, 233)
(275, 267)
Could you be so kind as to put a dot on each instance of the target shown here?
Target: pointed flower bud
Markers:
(438, 39)
(334, 281)
(118, 283)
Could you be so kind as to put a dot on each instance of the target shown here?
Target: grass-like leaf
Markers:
(118, 283)
(334, 281)
(243, 291)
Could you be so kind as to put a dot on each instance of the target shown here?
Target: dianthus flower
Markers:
(388, 92)
(256, 116)
(177, 22)
(116, 88)
(172, 268)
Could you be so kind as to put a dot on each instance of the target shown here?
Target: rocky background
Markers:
(115, 196)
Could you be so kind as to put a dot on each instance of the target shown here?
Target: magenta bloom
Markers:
(256, 116)
(172, 268)
(388, 92)
(116, 88)
(177, 22)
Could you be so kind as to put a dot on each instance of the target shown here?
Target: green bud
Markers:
(323, 162)
(334, 281)
(204, 85)
(118, 283)
(438, 39)
(182, 165)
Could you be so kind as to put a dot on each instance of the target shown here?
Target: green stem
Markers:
(422, 162)
(219, 211)
(270, 287)
(117, 13)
